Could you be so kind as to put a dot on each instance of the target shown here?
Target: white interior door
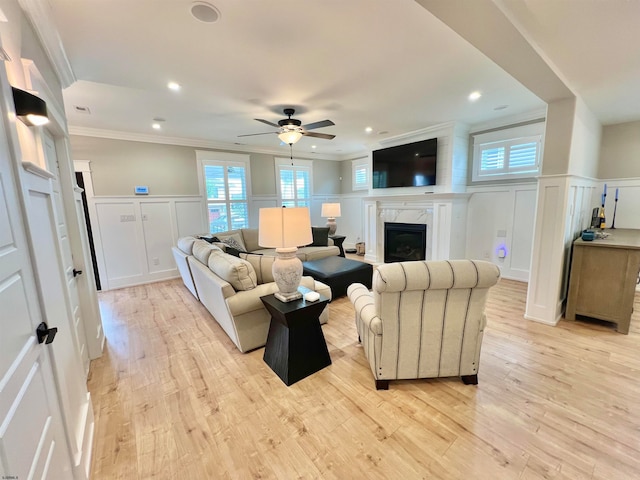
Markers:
(67, 258)
(32, 441)
(51, 279)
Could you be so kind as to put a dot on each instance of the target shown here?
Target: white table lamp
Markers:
(285, 229)
(331, 211)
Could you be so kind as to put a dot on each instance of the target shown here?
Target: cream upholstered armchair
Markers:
(424, 319)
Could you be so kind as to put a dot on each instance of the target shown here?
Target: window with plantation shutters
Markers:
(508, 153)
(226, 192)
(360, 174)
(293, 183)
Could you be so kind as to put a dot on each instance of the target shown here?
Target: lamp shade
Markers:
(330, 210)
(290, 136)
(30, 109)
(284, 227)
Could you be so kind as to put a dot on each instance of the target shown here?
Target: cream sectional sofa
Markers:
(248, 238)
(231, 287)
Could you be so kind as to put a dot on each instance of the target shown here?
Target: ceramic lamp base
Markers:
(331, 223)
(287, 272)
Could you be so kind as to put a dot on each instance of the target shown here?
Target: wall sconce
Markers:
(30, 109)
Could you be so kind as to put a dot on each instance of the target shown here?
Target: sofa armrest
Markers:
(249, 300)
(365, 308)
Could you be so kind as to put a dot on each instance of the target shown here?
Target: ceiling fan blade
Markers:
(267, 122)
(253, 134)
(323, 123)
(326, 136)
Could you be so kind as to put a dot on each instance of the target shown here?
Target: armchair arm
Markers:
(364, 306)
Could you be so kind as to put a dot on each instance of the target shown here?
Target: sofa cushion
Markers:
(250, 237)
(320, 236)
(237, 271)
(202, 249)
(262, 264)
(315, 253)
(185, 244)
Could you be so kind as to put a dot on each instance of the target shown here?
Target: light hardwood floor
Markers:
(174, 398)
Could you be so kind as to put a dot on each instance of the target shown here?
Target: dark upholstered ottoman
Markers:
(339, 273)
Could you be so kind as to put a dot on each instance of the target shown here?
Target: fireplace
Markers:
(404, 242)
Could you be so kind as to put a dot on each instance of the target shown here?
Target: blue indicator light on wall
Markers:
(140, 190)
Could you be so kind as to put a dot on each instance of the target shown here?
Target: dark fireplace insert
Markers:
(404, 242)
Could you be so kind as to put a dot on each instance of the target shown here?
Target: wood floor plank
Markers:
(173, 398)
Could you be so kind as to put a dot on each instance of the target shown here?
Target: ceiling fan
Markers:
(290, 130)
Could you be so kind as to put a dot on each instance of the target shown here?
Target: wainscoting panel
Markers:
(120, 239)
(500, 221)
(524, 214)
(134, 236)
(350, 224)
(158, 237)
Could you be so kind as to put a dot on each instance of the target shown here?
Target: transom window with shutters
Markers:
(508, 153)
(293, 182)
(360, 174)
(225, 185)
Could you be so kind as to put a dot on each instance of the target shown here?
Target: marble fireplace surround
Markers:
(443, 214)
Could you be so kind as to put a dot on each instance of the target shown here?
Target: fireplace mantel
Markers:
(443, 213)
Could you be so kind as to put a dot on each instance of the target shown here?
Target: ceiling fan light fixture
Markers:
(290, 136)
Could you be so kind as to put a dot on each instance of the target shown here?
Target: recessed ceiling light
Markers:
(368, 129)
(473, 96)
(313, 146)
(173, 86)
(205, 12)
(156, 126)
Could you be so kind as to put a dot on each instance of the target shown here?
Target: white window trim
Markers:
(282, 162)
(524, 134)
(206, 157)
(355, 165)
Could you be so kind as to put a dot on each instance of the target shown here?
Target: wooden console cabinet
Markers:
(604, 275)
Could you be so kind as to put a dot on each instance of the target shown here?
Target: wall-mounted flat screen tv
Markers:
(410, 165)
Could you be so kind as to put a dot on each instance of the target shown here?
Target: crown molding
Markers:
(192, 142)
(511, 120)
(41, 17)
(418, 135)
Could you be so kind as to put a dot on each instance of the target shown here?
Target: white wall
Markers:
(628, 206)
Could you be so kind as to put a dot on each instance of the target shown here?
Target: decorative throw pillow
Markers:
(234, 240)
(210, 239)
(262, 264)
(233, 251)
(320, 236)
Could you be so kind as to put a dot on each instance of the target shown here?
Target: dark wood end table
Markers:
(295, 347)
(338, 240)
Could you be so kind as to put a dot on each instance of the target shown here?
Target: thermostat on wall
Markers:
(140, 190)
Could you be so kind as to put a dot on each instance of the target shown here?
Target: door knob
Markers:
(46, 334)
(76, 273)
